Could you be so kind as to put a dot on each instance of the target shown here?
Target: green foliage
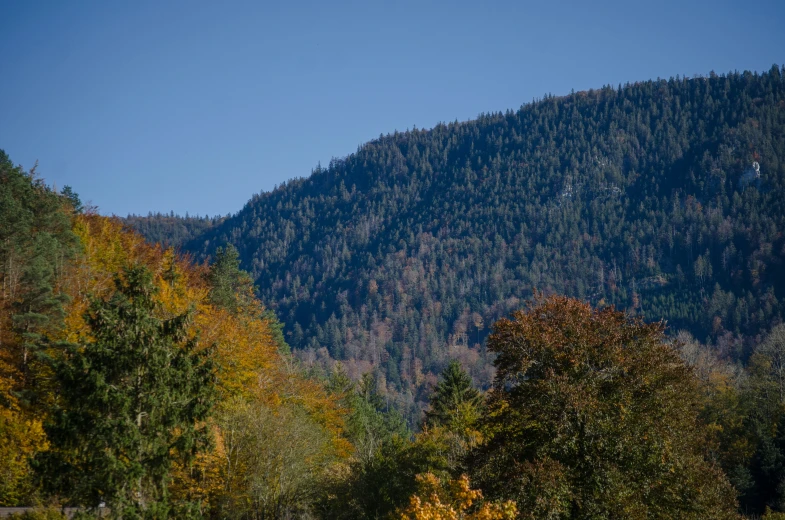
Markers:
(380, 479)
(593, 415)
(276, 329)
(627, 196)
(369, 423)
(170, 230)
(38, 310)
(73, 198)
(383, 483)
(764, 396)
(231, 288)
(380, 476)
(455, 403)
(768, 469)
(36, 244)
(130, 399)
(50, 513)
(773, 515)
(278, 459)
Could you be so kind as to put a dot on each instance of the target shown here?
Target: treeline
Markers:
(134, 379)
(171, 230)
(664, 198)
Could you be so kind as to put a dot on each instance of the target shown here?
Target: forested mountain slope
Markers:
(170, 230)
(664, 198)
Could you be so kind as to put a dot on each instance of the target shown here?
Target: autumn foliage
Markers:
(593, 414)
(255, 378)
(453, 501)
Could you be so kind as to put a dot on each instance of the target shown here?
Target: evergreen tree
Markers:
(131, 398)
(765, 399)
(39, 309)
(73, 199)
(455, 403)
(36, 243)
(230, 287)
(768, 470)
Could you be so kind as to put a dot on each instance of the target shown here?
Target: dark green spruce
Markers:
(130, 400)
(36, 243)
(454, 398)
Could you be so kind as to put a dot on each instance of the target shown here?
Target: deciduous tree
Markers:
(594, 415)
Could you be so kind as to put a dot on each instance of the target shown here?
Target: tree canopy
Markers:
(593, 414)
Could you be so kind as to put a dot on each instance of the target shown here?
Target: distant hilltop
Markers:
(664, 198)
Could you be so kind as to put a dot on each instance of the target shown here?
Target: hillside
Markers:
(663, 198)
(170, 229)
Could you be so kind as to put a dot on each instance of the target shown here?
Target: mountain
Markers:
(170, 229)
(665, 198)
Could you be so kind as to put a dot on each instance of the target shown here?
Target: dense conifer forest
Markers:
(170, 229)
(664, 198)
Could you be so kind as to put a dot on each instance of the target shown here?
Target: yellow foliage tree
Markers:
(252, 373)
(22, 435)
(454, 501)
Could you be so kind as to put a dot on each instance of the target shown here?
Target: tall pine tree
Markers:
(455, 401)
(131, 398)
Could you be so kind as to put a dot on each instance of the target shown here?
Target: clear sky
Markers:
(196, 105)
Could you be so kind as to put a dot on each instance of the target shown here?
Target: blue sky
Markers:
(196, 105)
